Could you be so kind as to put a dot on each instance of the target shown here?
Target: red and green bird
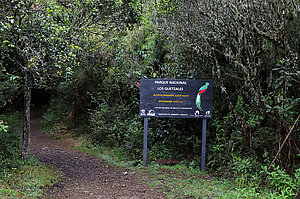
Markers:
(202, 89)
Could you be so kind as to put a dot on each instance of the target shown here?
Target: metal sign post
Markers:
(145, 141)
(203, 151)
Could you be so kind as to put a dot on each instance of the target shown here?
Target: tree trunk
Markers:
(26, 115)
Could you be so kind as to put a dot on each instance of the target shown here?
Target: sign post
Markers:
(145, 142)
(203, 151)
(176, 99)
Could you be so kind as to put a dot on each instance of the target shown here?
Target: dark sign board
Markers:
(176, 98)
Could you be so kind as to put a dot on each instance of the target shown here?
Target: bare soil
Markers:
(85, 176)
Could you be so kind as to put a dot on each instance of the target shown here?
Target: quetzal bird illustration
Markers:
(202, 89)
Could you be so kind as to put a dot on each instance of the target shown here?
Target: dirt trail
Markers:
(85, 176)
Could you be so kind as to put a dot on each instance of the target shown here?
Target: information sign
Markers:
(176, 98)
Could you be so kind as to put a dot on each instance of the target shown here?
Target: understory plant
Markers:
(56, 114)
(10, 158)
(252, 178)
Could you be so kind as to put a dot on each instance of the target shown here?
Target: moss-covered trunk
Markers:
(26, 115)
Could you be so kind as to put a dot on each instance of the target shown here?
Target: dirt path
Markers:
(85, 176)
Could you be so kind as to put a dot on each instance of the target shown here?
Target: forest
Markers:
(78, 65)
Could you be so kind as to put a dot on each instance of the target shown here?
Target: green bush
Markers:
(114, 126)
(55, 114)
(10, 143)
(283, 184)
(9, 85)
(110, 128)
(252, 179)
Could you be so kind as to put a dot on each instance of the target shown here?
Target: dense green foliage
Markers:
(10, 143)
(29, 181)
(9, 85)
(181, 181)
(104, 48)
(256, 102)
(57, 112)
(248, 48)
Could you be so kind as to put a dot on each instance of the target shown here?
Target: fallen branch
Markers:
(284, 142)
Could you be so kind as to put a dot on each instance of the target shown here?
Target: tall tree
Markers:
(42, 40)
(252, 50)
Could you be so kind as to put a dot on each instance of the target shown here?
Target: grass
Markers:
(175, 181)
(113, 156)
(31, 177)
(182, 182)
(179, 181)
(28, 182)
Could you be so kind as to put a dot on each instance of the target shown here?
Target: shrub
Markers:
(112, 129)
(56, 113)
(10, 143)
(282, 183)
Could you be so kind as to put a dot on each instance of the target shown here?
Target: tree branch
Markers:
(284, 142)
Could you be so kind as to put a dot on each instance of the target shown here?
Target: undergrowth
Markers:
(29, 181)
(9, 142)
(184, 181)
(118, 140)
(20, 178)
(55, 114)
